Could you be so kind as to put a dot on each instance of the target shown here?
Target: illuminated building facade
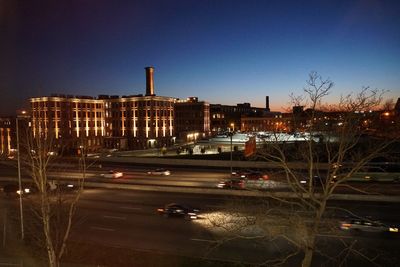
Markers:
(7, 132)
(70, 120)
(127, 122)
(138, 122)
(192, 119)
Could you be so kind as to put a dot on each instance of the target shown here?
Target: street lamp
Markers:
(233, 126)
(23, 114)
(231, 134)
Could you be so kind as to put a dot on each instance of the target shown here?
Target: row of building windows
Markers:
(140, 103)
(139, 123)
(58, 114)
(99, 123)
(52, 104)
(142, 113)
(146, 103)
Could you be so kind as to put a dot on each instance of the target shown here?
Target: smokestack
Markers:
(149, 81)
(267, 104)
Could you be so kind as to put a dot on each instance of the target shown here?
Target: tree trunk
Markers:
(46, 217)
(53, 262)
(309, 249)
(308, 256)
(52, 257)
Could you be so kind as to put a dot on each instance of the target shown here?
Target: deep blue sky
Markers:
(222, 51)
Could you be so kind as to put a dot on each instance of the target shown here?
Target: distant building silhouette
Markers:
(397, 107)
(192, 119)
(226, 118)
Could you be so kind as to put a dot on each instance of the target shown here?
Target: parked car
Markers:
(236, 183)
(113, 174)
(159, 171)
(365, 225)
(178, 210)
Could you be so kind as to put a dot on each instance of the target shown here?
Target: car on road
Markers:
(250, 175)
(240, 173)
(317, 181)
(13, 189)
(93, 155)
(365, 225)
(235, 183)
(159, 171)
(61, 186)
(371, 172)
(178, 210)
(256, 175)
(113, 174)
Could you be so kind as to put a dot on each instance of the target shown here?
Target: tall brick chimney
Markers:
(267, 104)
(149, 81)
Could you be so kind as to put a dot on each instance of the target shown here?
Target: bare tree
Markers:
(388, 104)
(55, 210)
(329, 155)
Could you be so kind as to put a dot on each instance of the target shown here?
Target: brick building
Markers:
(7, 132)
(192, 119)
(127, 122)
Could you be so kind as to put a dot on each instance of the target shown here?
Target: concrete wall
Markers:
(205, 163)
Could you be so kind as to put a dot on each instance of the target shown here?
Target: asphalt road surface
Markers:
(184, 177)
(128, 219)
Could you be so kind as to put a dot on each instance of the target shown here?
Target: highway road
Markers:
(132, 174)
(128, 219)
(182, 177)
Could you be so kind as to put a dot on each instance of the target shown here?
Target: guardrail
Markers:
(8, 262)
(208, 163)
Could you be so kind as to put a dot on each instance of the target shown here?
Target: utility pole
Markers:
(21, 212)
(231, 134)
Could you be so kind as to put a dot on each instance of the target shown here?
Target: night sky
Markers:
(222, 51)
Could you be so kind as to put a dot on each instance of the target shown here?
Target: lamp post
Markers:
(21, 212)
(231, 134)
